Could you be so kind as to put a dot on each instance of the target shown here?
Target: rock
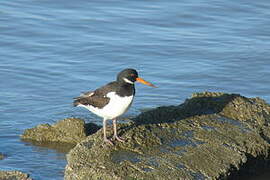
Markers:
(13, 175)
(1, 156)
(71, 130)
(209, 136)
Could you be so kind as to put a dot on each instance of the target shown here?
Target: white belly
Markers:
(116, 107)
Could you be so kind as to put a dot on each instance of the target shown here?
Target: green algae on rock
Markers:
(70, 130)
(211, 135)
(14, 175)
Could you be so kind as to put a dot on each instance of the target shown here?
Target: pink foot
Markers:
(108, 141)
(118, 138)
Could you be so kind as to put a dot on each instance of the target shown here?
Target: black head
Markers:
(130, 76)
(127, 76)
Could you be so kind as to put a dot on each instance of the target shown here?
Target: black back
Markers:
(99, 99)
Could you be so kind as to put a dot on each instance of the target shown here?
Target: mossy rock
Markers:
(209, 136)
(14, 175)
(70, 130)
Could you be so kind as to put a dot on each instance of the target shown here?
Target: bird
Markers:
(112, 100)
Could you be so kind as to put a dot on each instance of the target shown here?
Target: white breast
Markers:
(116, 107)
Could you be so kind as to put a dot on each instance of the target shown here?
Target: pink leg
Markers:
(115, 136)
(106, 140)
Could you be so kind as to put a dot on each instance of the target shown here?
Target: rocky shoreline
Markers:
(14, 175)
(209, 136)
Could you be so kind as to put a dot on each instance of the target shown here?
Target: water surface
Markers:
(51, 51)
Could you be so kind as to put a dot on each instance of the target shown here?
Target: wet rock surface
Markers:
(14, 175)
(210, 135)
(70, 130)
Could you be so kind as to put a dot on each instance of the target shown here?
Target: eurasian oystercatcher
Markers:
(112, 100)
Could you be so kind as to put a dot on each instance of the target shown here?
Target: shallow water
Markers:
(51, 51)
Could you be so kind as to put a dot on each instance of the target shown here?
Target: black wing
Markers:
(97, 98)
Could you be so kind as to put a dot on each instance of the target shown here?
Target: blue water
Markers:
(51, 51)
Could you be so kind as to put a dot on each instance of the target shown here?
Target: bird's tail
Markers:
(81, 99)
(76, 102)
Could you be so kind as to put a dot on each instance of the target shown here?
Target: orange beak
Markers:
(145, 82)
